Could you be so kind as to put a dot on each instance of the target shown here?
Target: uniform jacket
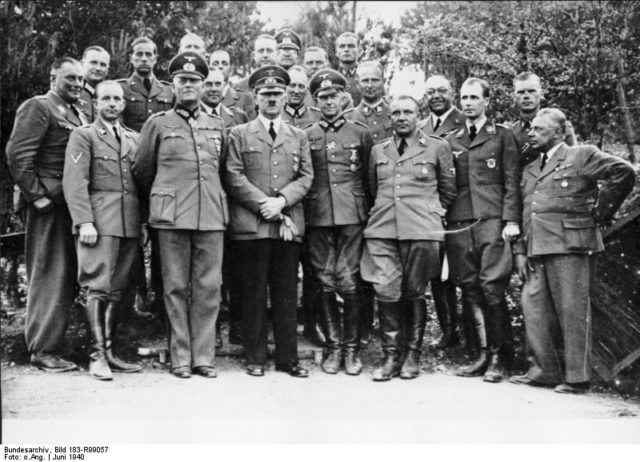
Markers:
(352, 84)
(142, 104)
(231, 116)
(177, 168)
(560, 208)
(259, 167)
(454, 121)
(302, 117)
(340, 154)
(35, 151)
(378, 119)
(521, 129)
(98, 184)
(241, 96)
(87, 103)
(413, 192)
(488, 174)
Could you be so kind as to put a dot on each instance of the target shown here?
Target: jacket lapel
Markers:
(484, 134)
(260, 132)
(281, 135)
(453, 121)
(552, 163)
(106, 135)
(391, 150)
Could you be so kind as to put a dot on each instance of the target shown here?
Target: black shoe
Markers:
(255, 370)
(51, 363)
(390, 369)
(182, 372)
(496, 370)
(294, 370)
(477, 368)
(573, 388)
(208, 372)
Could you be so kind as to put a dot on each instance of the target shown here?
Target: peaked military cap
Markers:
(327, 81)
(269, 79)
(189, 63)
(287, 38)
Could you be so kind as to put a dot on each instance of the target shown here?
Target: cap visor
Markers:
(263, 90)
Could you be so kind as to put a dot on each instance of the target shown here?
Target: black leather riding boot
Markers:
(416, 320)
(312, 330)
(495, 329)
(444, 299)
(471, 341)
(392, 327)
(367, 310)
(352, 326)
(479, 366)
(110, 322)
(98, 365)
(330, 322)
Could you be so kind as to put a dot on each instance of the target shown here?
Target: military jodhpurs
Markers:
(556, 303)
(191, 275)
(107, 267)
(334, 254)
(52, 271)
(400, 270)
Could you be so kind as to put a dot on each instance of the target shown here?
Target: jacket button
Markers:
(202, 162)
(275, 176)
(399, 164)
(275, 190)
(275, 162)
(201, 178)
(124, 170)
(125, 181)
(334, 170)
(398, 187)
(398, 175)
(335, 185)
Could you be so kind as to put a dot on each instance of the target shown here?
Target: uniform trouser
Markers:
(191, 276)
(106, 268)
(51, 271)
(400, 270)
(556, 303)
(334, 256)
(273, 263)
(480, 261)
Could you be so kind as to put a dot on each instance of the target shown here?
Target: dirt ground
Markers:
(154, 407)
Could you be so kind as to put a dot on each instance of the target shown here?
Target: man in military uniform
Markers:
(289, 47)
(527, 94)
(95, 64)
(212, 101)
(556, 257)
(296, 111)
(192, 42)
(315, 59)
(177, 166)
(482, 222)
(220, 60)
(264, 54)
(412, 180)
(103, 202)
(443, 119)
(373, 110)
(268, 172)
(145, 95)
(347, 52)
(35, 156)
(336, 211)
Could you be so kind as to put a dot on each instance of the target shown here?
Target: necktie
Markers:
(473, 131)
(543, 160)
(78, 114)
(437, 124)
(272, 131)
(147, 84)
(402, 146)
(115, 132)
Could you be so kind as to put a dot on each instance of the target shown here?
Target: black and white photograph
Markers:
(319, 229)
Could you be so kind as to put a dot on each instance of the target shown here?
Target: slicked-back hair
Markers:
(367, 64)
(97, 48)
(140, 40)
(264, 36)
(482, 82)
(557, 117)
(297, 68)
(104, 83)
(58, 63)
(404, 98)
(524, 76)
(440, 76)
(348, 35)
(314, 49)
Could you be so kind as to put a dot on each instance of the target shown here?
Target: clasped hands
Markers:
(271, 210)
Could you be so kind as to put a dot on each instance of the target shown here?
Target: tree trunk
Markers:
(354, 8)
(624, 107)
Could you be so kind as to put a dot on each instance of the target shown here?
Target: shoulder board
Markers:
(164, 82)
(85, 126)
(39, 97)
(313, 108)
(346, 111)
(436, 137)
(357, 122)
(157, 114)
(213, 116)
(122, 80)
(127, 129)
(503, 125)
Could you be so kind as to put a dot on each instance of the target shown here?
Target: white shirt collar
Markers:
(553, 150)
(479, 123)
(442, 117)
(267, 122)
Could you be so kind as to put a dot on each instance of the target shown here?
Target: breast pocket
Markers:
(566, 183)
(175, 143)
(214, 143)
(162, 206)
(424, 170)
(490, 169)
(106, 164)
(383, 170)
(252, 159)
